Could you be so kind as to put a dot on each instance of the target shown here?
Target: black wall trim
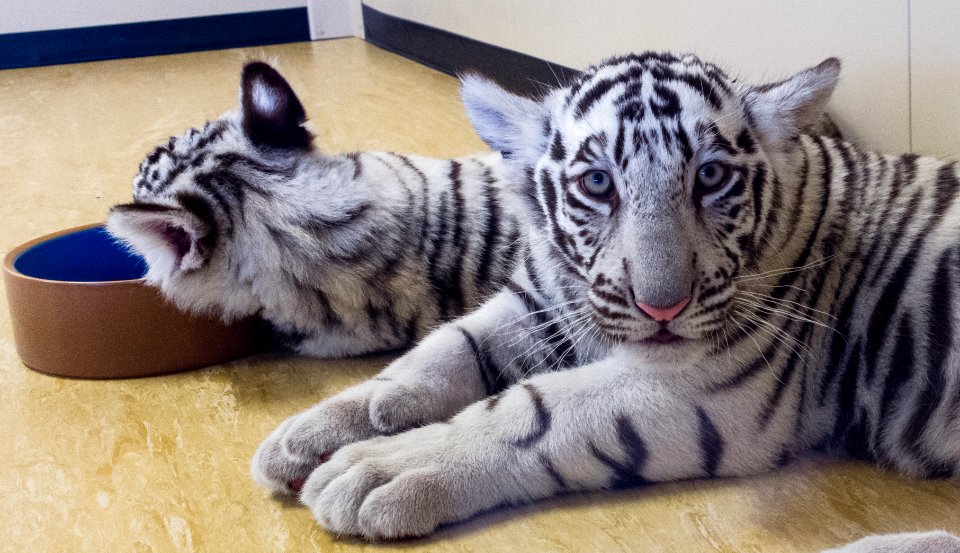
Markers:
(151, 38)
(453, 54)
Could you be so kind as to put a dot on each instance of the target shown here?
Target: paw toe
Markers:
(411, 505)
(337, 504)
(396, 408)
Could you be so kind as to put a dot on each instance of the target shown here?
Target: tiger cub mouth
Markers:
(663, 336)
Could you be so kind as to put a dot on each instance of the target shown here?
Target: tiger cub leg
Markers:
(450, 369)
(597, 426)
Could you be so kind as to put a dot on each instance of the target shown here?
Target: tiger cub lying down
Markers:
(344, 255)
(710, 292)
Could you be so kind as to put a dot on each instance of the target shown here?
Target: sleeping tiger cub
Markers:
(344, 254)
(708, 292)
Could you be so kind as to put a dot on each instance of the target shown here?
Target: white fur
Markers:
(629, 410)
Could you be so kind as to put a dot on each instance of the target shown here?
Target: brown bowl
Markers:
(80, 308)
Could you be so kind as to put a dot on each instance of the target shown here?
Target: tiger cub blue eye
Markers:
(596, 183)
(712, 175)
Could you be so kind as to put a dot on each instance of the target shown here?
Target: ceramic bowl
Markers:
(80, 308)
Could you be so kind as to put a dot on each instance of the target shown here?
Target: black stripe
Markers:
(733, 191)
(885, 308)
(493, 379)
(573, 202)
(751, 369)
(901, 369)
(905, 170)
(685, 148)
(425, 192)
(529, 301)
(939, 339)
(798, 206)
(618, 147)
(629, 472)
(609, 297)
(213, 131)
(411, 329)
(228, 160)
(549, 193)
(357, 166)
(318, 224)
(329, 315)
(560, 239)
(454, 287)
(745, 141)
(594, 94)
(698, 84)
(838, 346)
(803, 259)
(557, 151)
(667, 102)
(491, 229)
(851, 275)
(226, 209)
(717, 139)
(711, 443)
(847, 428)
(783, 381)
(435, 256)
(200, 207)
(543, 418)
(287, 335)
(947, 187)
(879, 215)
(588, 152)
(548, 467)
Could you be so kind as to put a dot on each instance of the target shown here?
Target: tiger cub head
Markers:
(202, 199)
(647, 178)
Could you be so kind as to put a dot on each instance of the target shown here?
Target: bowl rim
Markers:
(10, 258)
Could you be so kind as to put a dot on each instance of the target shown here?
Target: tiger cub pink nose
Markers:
(663, 314)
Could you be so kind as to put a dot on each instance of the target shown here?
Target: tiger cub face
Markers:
(650, 176)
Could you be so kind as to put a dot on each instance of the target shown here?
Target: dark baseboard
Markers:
(151, 38)
(455, 54)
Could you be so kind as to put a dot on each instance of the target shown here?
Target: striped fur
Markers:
(343, 254)
(821, 281)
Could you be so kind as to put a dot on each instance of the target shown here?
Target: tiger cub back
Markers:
(343, 254)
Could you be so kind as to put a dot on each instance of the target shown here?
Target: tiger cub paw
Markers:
(389, 487)
(301, 443)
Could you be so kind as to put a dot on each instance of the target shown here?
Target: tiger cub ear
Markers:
(272, 114)
(511, 124)
(170, 239)
(783, 109)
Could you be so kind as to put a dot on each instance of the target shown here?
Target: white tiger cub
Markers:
(709, 292)
(344, 254)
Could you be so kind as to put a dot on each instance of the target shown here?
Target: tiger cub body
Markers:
(707, 292)
(344, 254)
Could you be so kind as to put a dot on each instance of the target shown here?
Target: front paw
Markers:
(390, 487)
(286, 458)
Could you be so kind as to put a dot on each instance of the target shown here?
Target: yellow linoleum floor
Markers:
(161, 464)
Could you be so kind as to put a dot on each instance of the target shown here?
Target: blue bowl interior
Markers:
(89, 255)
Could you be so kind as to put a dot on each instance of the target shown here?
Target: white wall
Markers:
(935, 70)
(18, 16)
(761, 39)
